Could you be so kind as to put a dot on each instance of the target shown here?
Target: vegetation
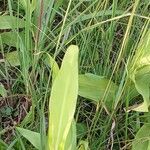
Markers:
(74, 74)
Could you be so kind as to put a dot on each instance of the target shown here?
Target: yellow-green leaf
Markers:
(71, 138)
(63, 100)
(83, 145)
(139, 72)
(53, 65)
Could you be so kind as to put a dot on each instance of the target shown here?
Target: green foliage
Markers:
(3, 91)
(140, 71)
(142, 138)
(12, 59)
(9, 38)
(81, 130)
(6, 111)
(32, 137)
(71, 141)
(63, 100)
(11, 22)
(83, 145)
(113, 37)
(52, 64)
(140, 75)
(28, 6)
(95, 88)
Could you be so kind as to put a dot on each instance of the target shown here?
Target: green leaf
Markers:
(71, 138)
(9, 38)
(93, 87)
(142, 84)
(52, 64)
(23, 4)
(81, 130)
(32, 137)
(11, 22)
(142, 138)
(83, 145)
(12, 59)
(8, 111)
(139, 72)
(32, 5)
(63, 99)
(56, 4)
(3, 91)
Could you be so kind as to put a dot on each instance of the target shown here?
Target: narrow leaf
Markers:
(52, 64)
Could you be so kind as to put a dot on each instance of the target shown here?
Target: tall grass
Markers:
(108, 34)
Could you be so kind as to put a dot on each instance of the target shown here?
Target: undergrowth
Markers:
(108, 108)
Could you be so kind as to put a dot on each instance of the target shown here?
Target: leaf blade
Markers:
(11, 22)
(63, 99)
(32, 137)
(93, 87)
(3, 91)
(141, 141)
(12, 59)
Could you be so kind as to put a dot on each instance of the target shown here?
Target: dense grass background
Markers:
(107, 33)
